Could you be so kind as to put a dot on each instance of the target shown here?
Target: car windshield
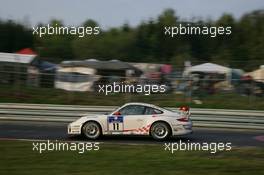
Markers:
(137, 110)
(111, 112)
(133, 110)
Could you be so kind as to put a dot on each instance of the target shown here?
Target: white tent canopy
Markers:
(16, 58)
(207, 68)
(258, 74)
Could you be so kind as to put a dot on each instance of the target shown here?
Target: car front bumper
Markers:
(74, 129)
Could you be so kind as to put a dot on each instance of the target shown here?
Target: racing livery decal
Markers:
(115, 123)
(134, 119)
(143, 130)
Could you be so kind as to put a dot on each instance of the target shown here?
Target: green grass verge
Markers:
(20, 94)
(17, 157)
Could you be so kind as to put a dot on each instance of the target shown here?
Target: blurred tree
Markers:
(14, 36)
(57, 46)
(244, 48)
(90, 23)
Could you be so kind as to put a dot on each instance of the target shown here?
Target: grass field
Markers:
(17, 157)
(21, 94)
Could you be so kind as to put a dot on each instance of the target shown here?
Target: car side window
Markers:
(151, 111)
(132, 110)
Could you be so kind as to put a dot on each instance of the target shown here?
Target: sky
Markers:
(113, 13)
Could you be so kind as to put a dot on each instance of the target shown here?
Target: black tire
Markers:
(91, 130)
(160, 131)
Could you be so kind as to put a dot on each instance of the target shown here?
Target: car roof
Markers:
(143, 104)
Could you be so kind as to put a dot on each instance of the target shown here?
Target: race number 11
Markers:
(115, 123)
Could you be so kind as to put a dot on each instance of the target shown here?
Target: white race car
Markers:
(135, 119)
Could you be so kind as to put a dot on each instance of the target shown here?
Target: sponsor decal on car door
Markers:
(133, 123)
(115, 124)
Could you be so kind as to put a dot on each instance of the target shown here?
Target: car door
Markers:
(133, 116)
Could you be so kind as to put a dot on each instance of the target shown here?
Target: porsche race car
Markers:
(135, 119)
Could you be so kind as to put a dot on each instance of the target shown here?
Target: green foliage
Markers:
(113, 159)
(14, 37)
(244, 48)
(219, 100)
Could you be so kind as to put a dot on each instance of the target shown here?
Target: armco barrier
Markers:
(241, 119)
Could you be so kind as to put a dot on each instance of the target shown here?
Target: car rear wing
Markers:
(185, 111)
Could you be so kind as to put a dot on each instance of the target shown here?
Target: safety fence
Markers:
(213, 118)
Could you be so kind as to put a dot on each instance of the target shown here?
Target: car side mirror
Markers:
(117, 113)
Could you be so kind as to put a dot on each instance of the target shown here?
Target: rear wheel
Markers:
(160, 131)
(91, 130)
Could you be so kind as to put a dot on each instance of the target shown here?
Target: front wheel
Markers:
(160, 131)
(91, 130)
